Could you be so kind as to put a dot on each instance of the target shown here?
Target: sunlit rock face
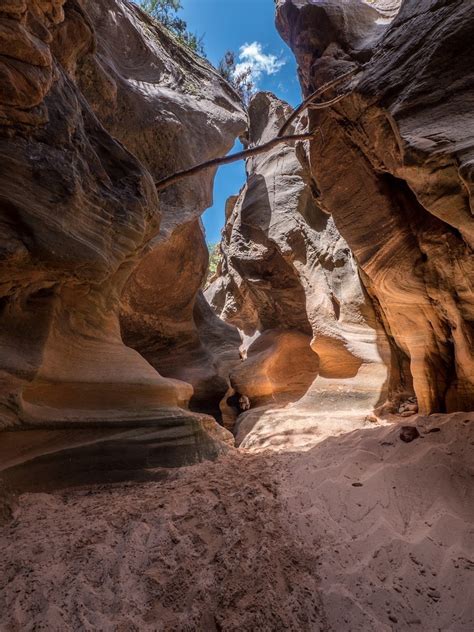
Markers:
(79, 212)
(172, 110)
(392, 164)
(289, 282)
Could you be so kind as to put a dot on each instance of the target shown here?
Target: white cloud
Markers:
(252, 57)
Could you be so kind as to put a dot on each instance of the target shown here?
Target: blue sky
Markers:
(246, 27)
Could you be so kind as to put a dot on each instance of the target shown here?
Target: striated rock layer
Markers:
(173, 111)
(289, 282)
(392, 164)
(79, 214)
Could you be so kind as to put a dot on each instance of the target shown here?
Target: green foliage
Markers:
(166, 12)
(241, 80)
(214, 260)
(194, 41)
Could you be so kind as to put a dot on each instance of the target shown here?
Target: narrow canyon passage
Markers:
(281, 438)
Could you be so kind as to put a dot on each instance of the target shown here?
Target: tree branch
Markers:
(241, 155)
(261, 149)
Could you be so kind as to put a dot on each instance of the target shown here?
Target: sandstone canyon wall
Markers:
(97, 102)
(347, 262)
(393, 163)
(172, 110)
(288, 281)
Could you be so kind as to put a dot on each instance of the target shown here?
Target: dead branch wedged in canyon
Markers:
(241, 155)
(265, 147)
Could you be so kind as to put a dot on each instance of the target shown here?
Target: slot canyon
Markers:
(284, 443)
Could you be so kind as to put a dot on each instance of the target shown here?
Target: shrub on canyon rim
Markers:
(241, 81)
(166, 12)
(214, 259)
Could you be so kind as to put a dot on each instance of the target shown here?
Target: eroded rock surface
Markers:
(172, 110)
(289, 282)
(393, 166)
(90, 116)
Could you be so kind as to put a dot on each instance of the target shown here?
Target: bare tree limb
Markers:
(312, 97)
(241, 155)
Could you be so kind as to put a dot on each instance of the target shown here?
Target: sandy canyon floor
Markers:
(360, 532)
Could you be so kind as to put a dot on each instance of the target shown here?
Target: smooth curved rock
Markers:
(288, 281)
(402, 143)
(78, 211)
(279, 366)
(172, 110)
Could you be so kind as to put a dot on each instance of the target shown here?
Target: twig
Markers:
(326, 104)
(312, 97)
